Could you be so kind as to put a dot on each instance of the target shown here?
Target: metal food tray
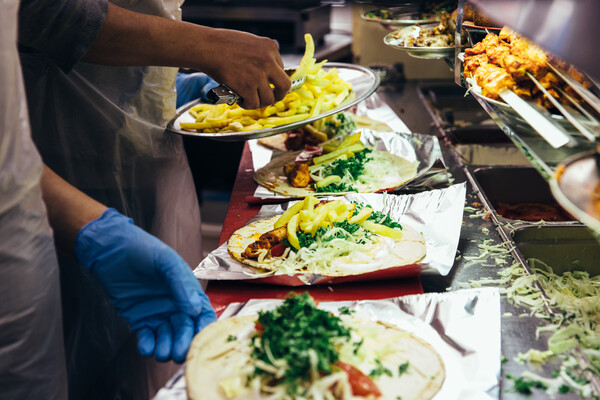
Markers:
(401, 17)
(575, 187)
(419, 52)
(364, 82)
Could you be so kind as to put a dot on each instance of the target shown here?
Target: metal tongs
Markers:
(224, 95)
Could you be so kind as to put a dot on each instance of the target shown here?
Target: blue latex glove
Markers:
(193, 86)
(148, 282)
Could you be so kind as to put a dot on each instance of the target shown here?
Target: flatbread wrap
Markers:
(277, 355)
(336, 168)
(329, 238)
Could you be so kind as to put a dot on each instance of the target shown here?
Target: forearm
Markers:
(130, 38)
(69, 210)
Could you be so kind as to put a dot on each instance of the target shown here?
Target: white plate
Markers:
(364, 82)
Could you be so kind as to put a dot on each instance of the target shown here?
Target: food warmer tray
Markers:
(364, 82)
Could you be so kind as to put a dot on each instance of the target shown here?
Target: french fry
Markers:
(382, 230)
(288, 214)
(321, 92)
(356, 147)
(329, 180)
(291, 232)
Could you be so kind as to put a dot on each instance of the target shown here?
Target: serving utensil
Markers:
(553, 134)
(584, 131)
(581, 90)
(223, 94)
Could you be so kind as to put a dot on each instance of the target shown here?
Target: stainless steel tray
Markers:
(575, 187)
(418, 52)
(364, 82)
(508, 113)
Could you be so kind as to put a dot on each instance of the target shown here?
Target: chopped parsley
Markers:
(524, 386)
(377, 217)
(402, 368)
(379, 370)
(353, 166)
(335, 188)
(324, 235)
(231, 338)
(288, 333)
(339, 123)
(346, 311)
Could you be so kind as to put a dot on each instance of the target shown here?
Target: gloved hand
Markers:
(151, 286)
(192, 86)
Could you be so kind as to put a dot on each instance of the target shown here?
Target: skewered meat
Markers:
(493, 80)
(517, 57)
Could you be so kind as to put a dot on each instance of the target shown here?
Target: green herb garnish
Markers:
(346, 311)
(231, 338)
(402, 368)
(377, 217)
(353, 166)
(339, 123)
(379, 370)
(335, 188)
(289, 332)
(524, 386)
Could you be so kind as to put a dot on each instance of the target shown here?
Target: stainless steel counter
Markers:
(518, 332)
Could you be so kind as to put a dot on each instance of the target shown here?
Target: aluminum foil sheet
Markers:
(425, 149)
(437, 214)
(463, 326)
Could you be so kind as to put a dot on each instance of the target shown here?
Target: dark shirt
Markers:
(64, 30)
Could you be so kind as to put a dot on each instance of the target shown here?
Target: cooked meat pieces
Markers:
(492, 79)
(255, 249)
(275, 236)
(299, 176)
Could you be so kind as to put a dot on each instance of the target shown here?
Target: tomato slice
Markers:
(259, 328)
(278, 250)
(361, 384)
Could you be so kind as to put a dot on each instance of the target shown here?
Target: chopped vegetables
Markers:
(297, 337)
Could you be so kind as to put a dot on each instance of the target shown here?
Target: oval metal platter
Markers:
(397, 17)
(414, 51)
(364, 82)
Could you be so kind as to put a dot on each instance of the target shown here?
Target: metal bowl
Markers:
(364, 82)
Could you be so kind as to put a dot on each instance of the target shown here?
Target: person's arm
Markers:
(245, 62)
(151, 287)
(69, 210)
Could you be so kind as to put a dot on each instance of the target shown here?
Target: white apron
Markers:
(102, 129)
(32, 364)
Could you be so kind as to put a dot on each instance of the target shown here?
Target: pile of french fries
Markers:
(322, 91)
(307, 215)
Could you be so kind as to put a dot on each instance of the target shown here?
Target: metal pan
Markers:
(364, 82)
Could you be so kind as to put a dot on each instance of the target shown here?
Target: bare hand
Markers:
(247, 64)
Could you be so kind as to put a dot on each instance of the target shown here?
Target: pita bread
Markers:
(398, 171)
(408, 250)
(219, 358)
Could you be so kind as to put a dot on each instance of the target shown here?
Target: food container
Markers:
(564, 248)
(501, 186)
